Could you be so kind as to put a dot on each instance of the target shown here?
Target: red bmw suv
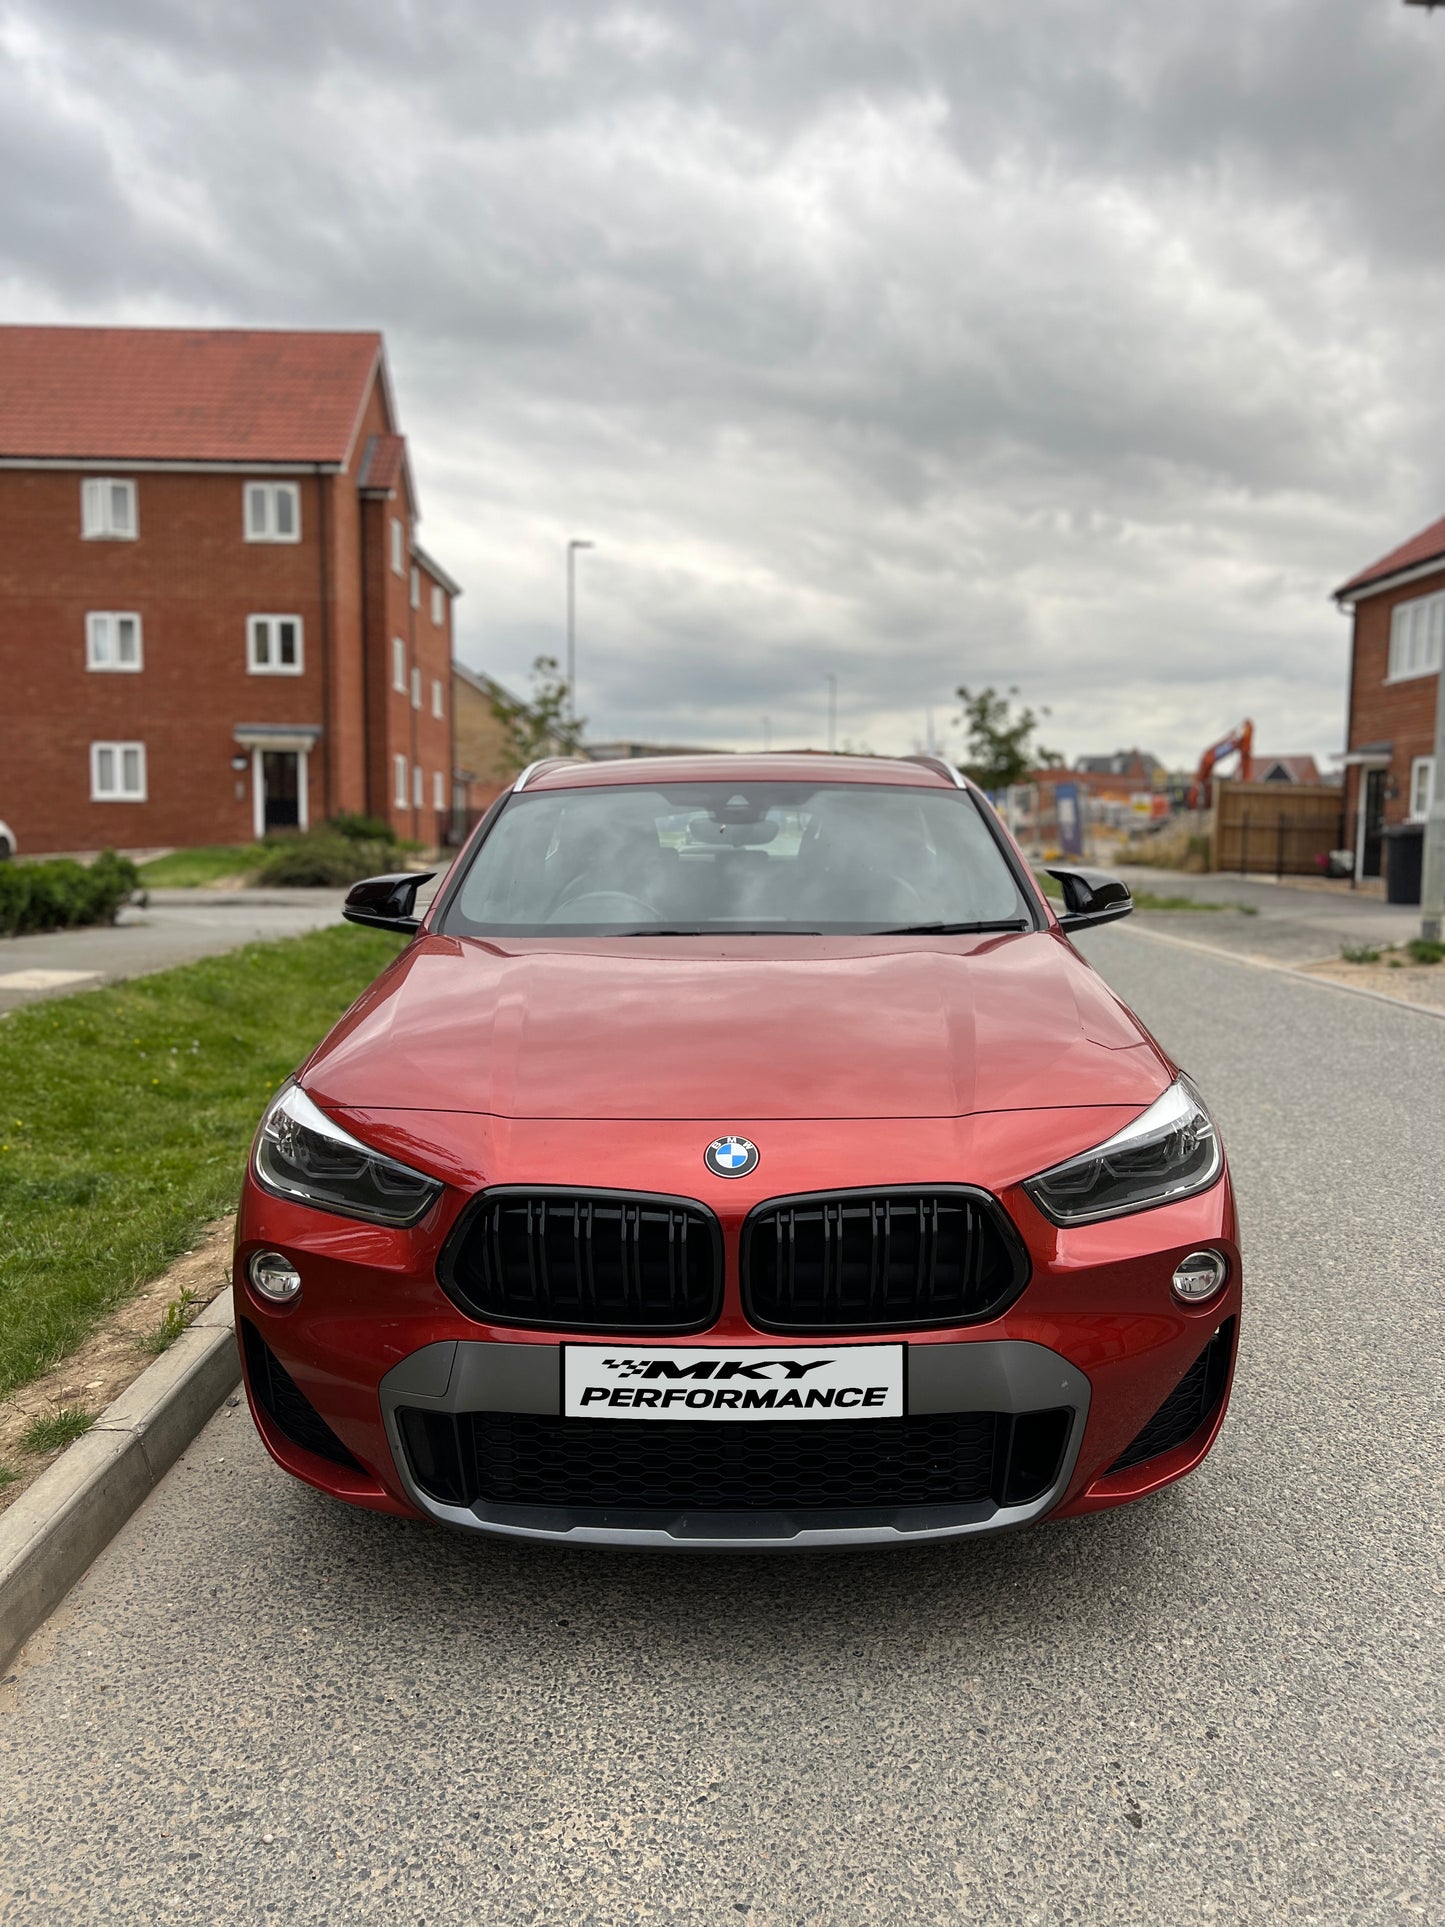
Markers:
(739, 1154)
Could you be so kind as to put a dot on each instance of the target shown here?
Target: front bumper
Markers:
(1096, 1332)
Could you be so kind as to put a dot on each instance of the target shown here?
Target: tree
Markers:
(1001, 749)
(541, 727)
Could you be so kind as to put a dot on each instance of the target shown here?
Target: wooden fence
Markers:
(1277, 829)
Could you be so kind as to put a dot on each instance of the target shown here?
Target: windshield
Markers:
(718, 859)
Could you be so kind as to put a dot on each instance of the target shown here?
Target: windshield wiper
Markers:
(701, 930)
(954, 929)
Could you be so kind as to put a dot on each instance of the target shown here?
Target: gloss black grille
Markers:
(587, 1261)
(286, 1405)
(1193, 1400)
(949, 1459)
(896, 1260)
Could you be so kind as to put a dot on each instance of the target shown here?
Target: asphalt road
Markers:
(175, 927)
(1221, 1704)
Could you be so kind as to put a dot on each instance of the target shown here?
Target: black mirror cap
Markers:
(387, 903)
(1091, 897)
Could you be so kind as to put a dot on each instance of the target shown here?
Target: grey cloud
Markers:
(1080, 344)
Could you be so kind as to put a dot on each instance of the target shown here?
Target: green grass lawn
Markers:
(126, 1115)
(192, 869)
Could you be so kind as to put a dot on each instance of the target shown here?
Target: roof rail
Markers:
(942, 766)
(542, 762)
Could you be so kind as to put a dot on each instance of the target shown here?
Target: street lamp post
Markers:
(832, 712)
(572, 547)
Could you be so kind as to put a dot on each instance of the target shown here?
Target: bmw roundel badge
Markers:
(731, 1157)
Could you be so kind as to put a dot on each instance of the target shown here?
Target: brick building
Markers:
(1398, 605)
(215, 617)
(481, 745)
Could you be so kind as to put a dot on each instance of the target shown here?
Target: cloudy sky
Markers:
(1082, 345)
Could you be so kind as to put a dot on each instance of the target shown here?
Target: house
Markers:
(1398, 605)
(1281, 769)
(1137, 769)
(216, 619)
(482, 760)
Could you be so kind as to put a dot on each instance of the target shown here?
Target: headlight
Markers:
(301, 1154)
(1170, 1152)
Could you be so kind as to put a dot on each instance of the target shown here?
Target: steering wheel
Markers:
(603, 906)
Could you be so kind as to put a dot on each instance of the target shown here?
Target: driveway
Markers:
(1281, 922)
(175, 927)
(1218, 1705)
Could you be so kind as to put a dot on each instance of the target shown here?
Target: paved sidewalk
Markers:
(175, 927)
(1289, 925)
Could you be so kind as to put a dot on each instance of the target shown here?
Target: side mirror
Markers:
(1091, 897)
(387, 903)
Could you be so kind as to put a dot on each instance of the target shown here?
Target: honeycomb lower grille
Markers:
(1194, 1400)
(946, 1459)
(587, 1261)
(286, 1405)
(896, 1260)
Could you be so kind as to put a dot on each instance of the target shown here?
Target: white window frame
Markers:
(269, 495)
(117, 792)
(416, 786)
(438, 698)
(98, 520)
(438, 790)
(102, 641)
(415, 587)
(1417, 637)
(398, 664)
(253, 662)
(415, 686)
(398, 786)
(398, 546)
(1422, 782)
(438, 605)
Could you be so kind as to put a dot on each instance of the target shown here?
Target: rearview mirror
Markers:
(387, 903)
(1091, 897)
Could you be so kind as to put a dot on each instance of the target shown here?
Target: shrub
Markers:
(59, 893)
(323, 860)
(1425, 950)
(362, 829)
(1363, 953)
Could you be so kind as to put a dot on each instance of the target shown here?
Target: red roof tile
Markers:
(181, 394)
(1423, 547)
(382, 462)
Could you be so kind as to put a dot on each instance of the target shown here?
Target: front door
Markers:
(1374, 821)
(281, 788)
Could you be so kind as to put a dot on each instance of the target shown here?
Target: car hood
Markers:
(660, 1028)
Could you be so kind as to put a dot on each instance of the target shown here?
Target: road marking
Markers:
(1280, 970)
(44, 979)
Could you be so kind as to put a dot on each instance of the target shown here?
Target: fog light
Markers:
(1199, 1276)
(276, 1277)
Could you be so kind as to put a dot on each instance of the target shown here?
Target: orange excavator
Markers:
(1241, 739)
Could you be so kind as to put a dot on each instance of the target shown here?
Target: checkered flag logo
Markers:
(628, 1367)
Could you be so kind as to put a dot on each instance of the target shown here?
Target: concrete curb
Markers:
(52, 1532)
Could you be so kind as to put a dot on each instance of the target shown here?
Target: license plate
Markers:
(738, 1385)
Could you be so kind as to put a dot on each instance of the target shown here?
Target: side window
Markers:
(416, 588)
(112, 640)
(107, 510)
(398, 664)
(416, 688)
(274, 645)
(438, 605)
(398, 547)
(1422, 782)
(438, 790)
(398, 765)
(273, 512)
(438, 699)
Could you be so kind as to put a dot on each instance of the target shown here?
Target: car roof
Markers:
(790, 766)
